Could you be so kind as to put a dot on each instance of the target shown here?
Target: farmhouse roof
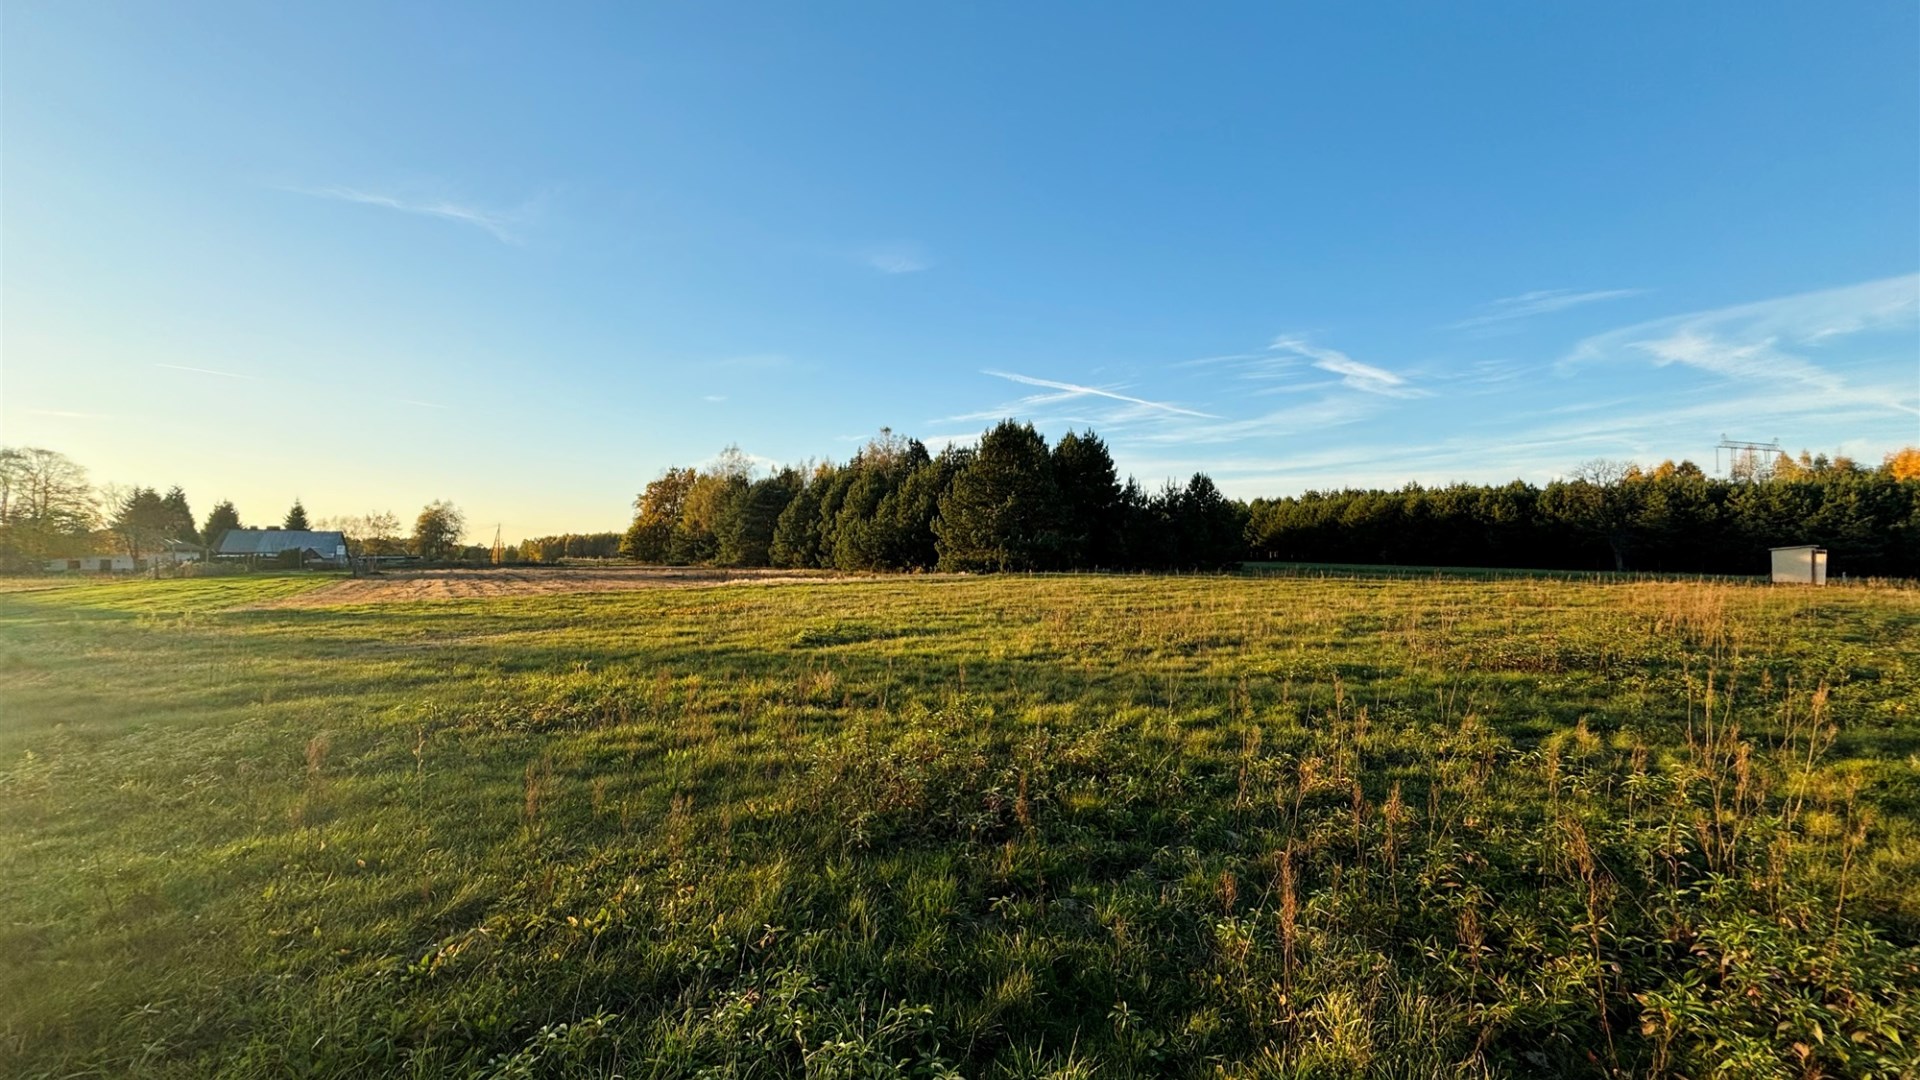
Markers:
(275, 541)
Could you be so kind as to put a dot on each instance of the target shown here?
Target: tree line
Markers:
(1015, 503)
(1010, 503)
(552, 549)
(1610, 515)
(49, 509)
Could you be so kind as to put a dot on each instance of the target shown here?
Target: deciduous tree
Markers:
(47, 507)
(438, 530)
(657, 513)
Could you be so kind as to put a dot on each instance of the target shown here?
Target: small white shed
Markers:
(1802, 564)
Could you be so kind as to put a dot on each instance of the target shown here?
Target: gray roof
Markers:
(275, 541)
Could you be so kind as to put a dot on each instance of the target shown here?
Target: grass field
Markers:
(994, 827)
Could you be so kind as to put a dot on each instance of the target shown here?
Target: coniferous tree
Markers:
(142, 521)
(832, 497)
(1013, 504)
(796, 534)
(296, 518)
(914, 507)
(1092, 512)
(748, 524)
(864, 531)
(180, 517)
(1205, 526)
(1001, 512)
(220, 519)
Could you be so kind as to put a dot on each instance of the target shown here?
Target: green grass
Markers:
(1067, 826)
(1389, 570)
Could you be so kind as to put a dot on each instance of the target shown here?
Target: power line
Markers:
(1749, 461)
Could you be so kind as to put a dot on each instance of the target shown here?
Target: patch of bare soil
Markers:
(412, 585)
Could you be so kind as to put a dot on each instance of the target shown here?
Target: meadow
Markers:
(1010, 826)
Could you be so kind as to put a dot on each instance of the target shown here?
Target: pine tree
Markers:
(913, 507)
(864, 528)
(747, 525)
(1001, 511)
(296, 518)
(1206, 526)
(1091, 509)
(796, 534)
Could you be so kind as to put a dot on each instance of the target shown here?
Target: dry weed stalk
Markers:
(1289, 915)
(536, 791)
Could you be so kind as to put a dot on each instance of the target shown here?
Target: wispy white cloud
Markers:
(1791, 366)
(1328, 389)
(1331, 411)
(66, 414)
(766, 361)
(501, 225)
(208, 371)
(1539, 302)
(714, 398)
(1296, 387)
(1354, 374)
(1776, 341)
(1669, 427)
(1481, 377)
(1227, 358)
(1485, 453)
(1074, 390)
(1290, 355)
(897, 259)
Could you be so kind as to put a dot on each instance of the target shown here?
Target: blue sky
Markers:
(372, 255)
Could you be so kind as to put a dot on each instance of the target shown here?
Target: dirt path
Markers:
(412, 585)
